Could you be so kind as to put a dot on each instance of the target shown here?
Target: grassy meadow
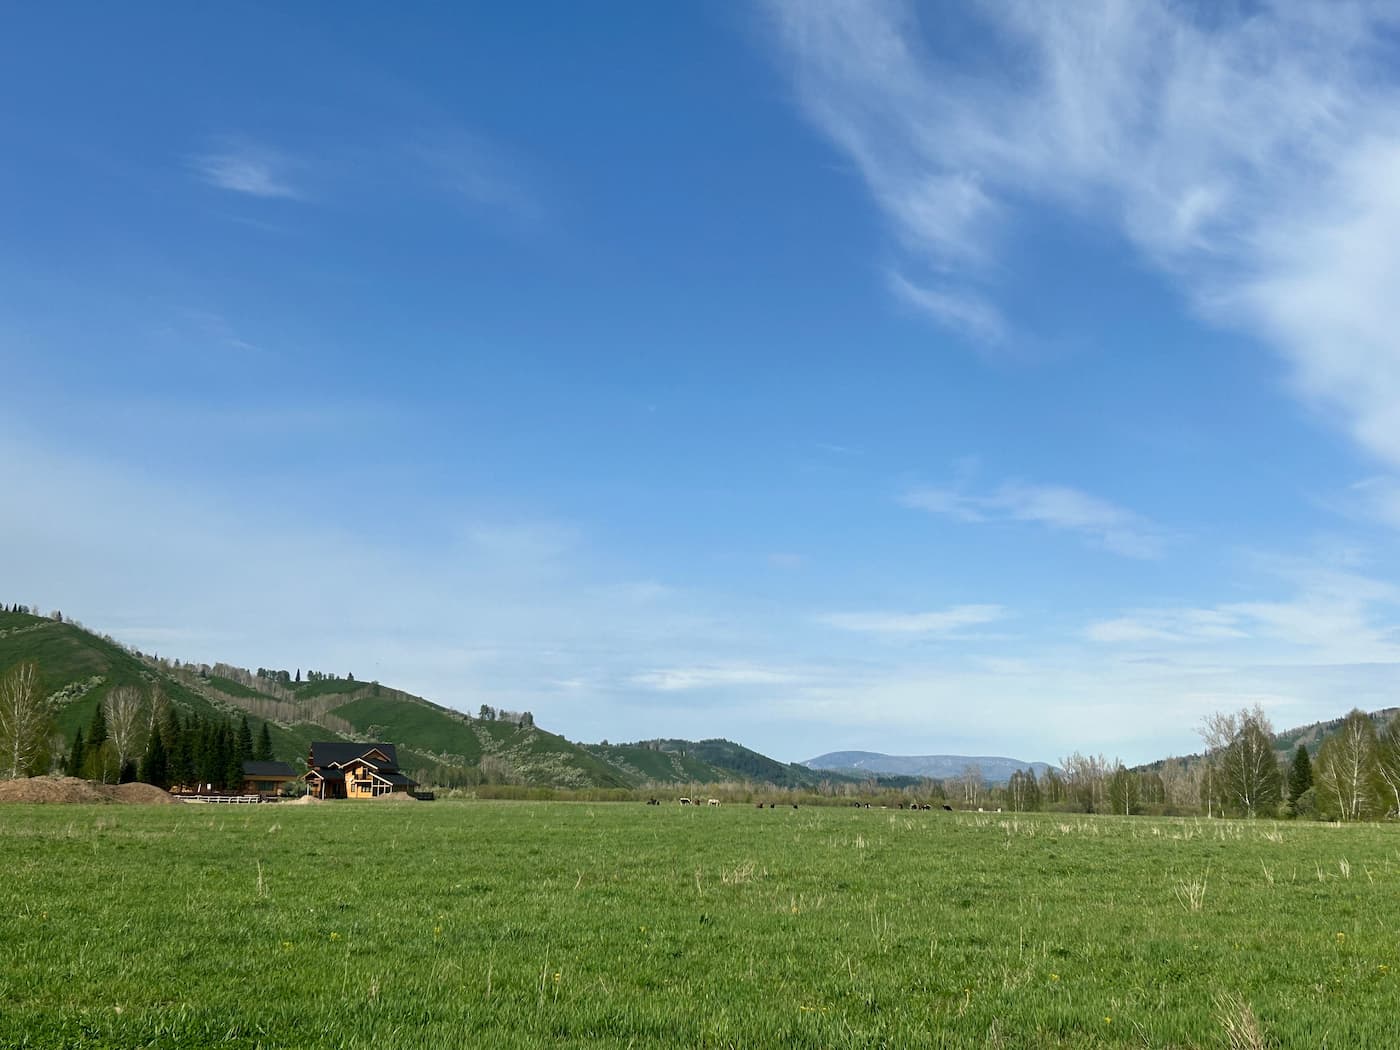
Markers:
(456, 924)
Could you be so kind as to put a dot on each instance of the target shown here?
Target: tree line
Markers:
(288, 678)
(133, 734)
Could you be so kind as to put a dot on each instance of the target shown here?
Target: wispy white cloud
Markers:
(1331, 616)
(246, 167)
(941, 623)
(1105, 524)
(1176, 625)
(962, 310)
(477, 172)
(682, 678)
(1252, 154)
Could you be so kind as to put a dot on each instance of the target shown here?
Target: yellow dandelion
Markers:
(1108, 1020)
(557, 976)
(1383, 968)
(437, 931)
(335, 936)
(1341, 937)
(1054, 977)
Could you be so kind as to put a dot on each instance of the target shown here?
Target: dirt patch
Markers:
(143, 794)
(73, 790)
(397, 796)
(306, 800)
(51, 789)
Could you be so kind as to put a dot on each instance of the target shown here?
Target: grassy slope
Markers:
(326, 687)
(232, 688)
(67, 654)
(744, 763)
(643, 764)
(418, 727)
(644, 927)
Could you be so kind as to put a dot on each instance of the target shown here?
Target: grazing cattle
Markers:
(686, 802)
(772, 805)
(758, 805)
(794, 805)
(948, 807)
(712, 801)
(653, 802)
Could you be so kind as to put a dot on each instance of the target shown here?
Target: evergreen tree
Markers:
(1300, 776)
(244, 745)
(74, 766)
(206, 756)
(154, 766)
(97, 757)
(128, 771)
(233, 757)
(298, 676)
(97, 729)
(263, 753)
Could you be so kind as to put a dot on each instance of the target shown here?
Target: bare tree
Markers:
(1346, 771)
(1388, 761)
(26, 723)
(972, 783)
(1241, 751)
(156, 709)
(1022, 792)
(125, 710)
(1181, 784)
(1124, 790)
(1085, 778)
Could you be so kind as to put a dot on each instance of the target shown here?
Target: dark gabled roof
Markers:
(327, 774)
(325, 753)
(253, 770)
(398, 778)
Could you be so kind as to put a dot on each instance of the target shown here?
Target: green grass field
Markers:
(396, 925)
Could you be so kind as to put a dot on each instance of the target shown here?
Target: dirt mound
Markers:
(143, 794)
(397, 796)
(51, 789)
(73, 790)
(306, 800)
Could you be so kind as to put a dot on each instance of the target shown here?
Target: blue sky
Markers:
(1010, 379)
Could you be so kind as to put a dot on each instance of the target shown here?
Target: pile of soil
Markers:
(50, 789)
(71, 789)
(139, 794)
(306, 800)
(397, 796)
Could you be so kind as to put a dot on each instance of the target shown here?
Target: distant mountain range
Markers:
(994, 769)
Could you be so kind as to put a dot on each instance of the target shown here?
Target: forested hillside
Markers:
(79, 671)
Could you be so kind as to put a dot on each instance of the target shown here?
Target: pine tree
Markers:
(154, 766)
(74, 766)
(1300, 776)
(245, 742)
(95, 752)
(234, 756)
(97, 729)
(263, 753)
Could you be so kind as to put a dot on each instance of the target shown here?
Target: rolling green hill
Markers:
(436, 744)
